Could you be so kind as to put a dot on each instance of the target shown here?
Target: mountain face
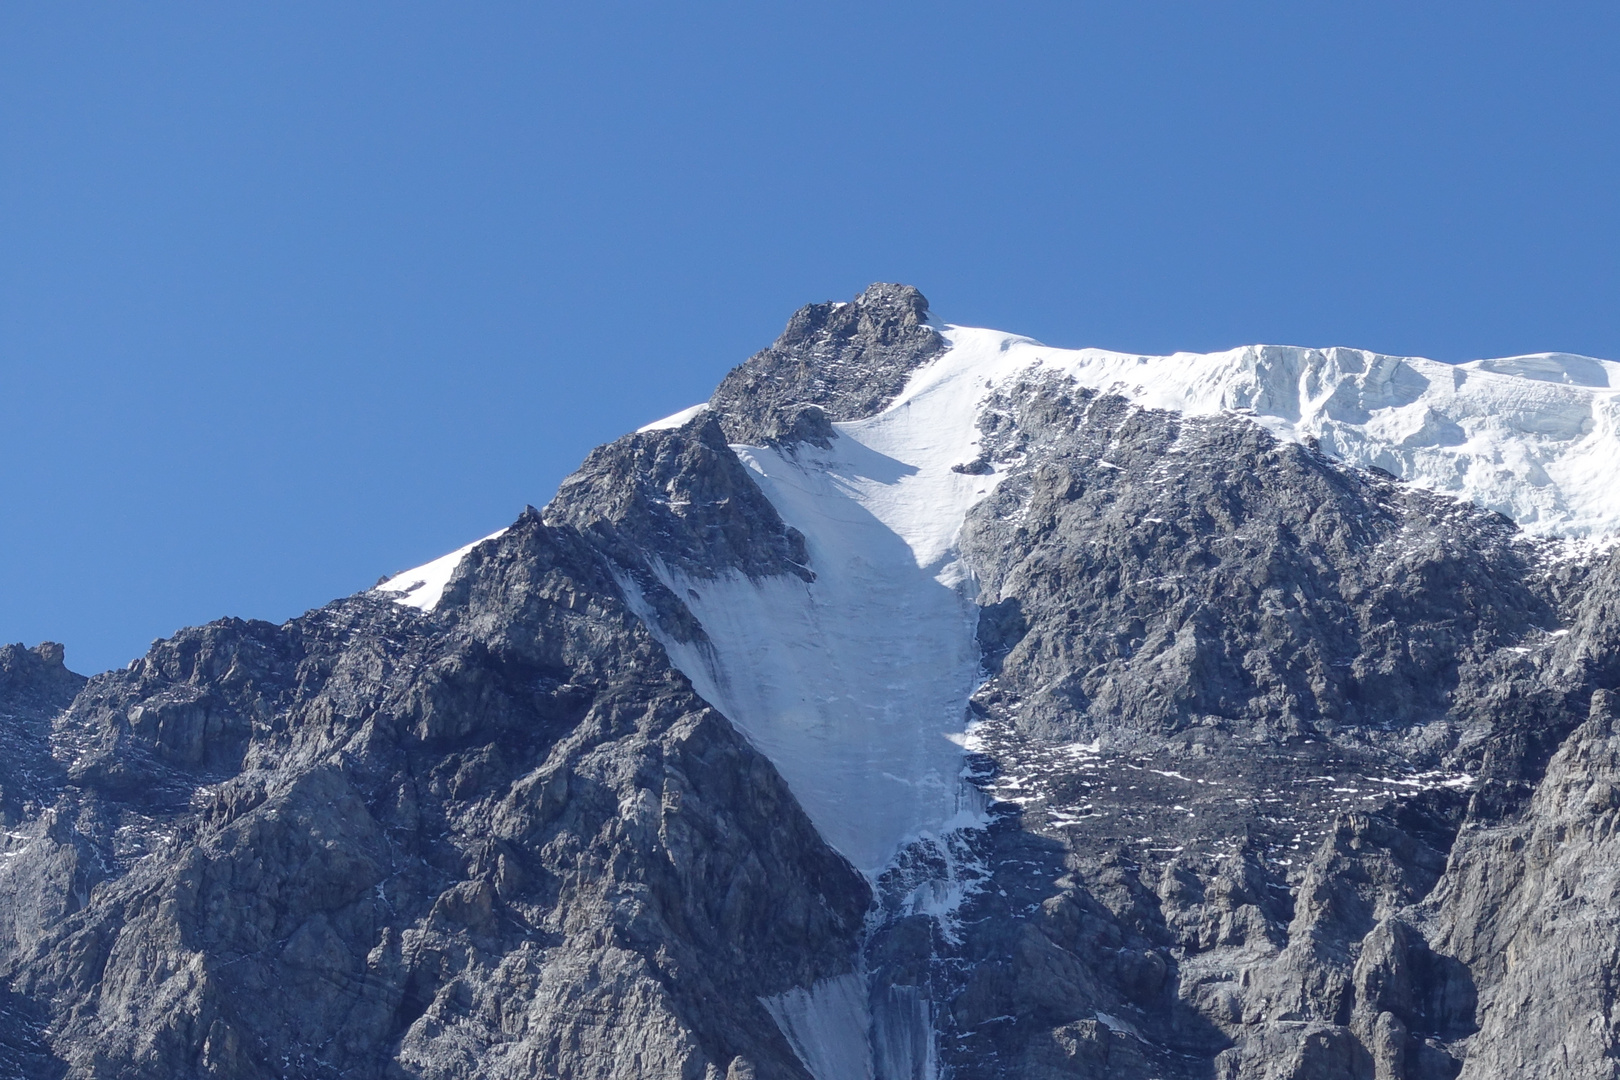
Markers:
(930, 703)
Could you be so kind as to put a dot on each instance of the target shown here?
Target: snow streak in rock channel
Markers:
(855, 684)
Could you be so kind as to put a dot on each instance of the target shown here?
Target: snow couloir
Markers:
(856, 684)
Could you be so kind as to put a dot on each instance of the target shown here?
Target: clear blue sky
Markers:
(295, 295)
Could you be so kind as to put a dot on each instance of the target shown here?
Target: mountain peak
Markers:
(931, 703)
(849, 358)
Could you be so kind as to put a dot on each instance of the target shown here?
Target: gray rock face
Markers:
(1271, 655)
(1532, 908)
(681, 498)
(35, 685)
(1294, 773)
(1152, 576)
(847, 359)
(504, 839)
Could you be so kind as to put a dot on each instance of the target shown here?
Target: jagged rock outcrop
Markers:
(1532, 908)
(1278, 770)
(35, 685)
(1170, 575)
(677, 498)
(501, 839)
(847, 360)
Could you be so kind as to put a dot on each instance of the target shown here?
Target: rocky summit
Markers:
(930, 703)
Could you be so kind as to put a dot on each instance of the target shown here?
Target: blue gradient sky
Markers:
(296, 295)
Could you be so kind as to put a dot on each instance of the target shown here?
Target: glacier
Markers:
(1532, 437)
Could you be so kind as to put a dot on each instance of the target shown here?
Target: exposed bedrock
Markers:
(847, 359)
(503, 839)
(1271, 768)
(1285, 720)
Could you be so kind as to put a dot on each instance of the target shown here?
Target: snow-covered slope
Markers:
(674, 420)
(1534, 437)
(856, 684)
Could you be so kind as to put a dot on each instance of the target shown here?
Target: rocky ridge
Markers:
(835, 361)
(1288, 769)
(500, 839)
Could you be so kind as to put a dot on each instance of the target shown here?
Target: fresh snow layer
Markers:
(423, 586)
(674, 420)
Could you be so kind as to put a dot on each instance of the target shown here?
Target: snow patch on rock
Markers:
(827, 1025)
(856, 684)
(422, 587)
(674, 420)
